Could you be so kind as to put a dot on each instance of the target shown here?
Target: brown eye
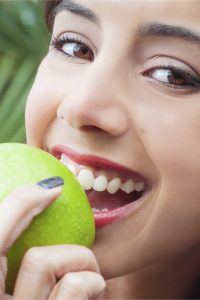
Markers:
(173, 77)
(176, 78)
(167, 76)
(73, 47)
(78, 50)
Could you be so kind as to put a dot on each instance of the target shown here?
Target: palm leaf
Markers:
(23, 42)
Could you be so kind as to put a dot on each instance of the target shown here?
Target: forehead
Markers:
(129, 11)
(130, 15)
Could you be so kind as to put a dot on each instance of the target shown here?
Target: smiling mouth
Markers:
(112, 189)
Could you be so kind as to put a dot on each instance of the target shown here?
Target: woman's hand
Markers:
(59, 272)
(53, 272)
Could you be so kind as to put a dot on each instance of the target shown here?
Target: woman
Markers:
(118, 97)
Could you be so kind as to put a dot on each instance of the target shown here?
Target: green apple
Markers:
(69, 220)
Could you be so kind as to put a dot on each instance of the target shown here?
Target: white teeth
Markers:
(86, 179)
(72, 168)
(100, 184)
(139, 186)
(114, 185)
(104, 210)
(64, 159)
(128, 186)
(98, 210)
(95, 210)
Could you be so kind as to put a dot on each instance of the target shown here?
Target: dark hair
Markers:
(50, 11)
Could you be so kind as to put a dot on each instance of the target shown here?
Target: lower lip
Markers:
(103, 219)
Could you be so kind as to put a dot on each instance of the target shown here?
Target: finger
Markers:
(79, 285)
(42, 267)
(19, 208)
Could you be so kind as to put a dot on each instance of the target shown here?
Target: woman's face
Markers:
(120, 90)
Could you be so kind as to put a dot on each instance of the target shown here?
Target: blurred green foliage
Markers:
(24, 41)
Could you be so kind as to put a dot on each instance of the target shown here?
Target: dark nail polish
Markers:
(50, 183)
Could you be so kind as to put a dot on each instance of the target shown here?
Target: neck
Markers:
(170, 280)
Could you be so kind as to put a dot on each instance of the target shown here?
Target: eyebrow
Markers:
(143, 30)
(77, 9)
(165, 30)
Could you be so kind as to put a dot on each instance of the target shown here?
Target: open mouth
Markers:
(112, 189)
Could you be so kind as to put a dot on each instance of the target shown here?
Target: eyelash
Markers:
(193, 82)
(58, 43)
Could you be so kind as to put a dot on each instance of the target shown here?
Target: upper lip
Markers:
(94, 161)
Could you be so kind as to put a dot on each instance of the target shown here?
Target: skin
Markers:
(113, 108)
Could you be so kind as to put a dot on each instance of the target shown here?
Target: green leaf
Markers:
(24, 41)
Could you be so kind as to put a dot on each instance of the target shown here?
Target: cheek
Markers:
(178, 146)
(173, 139)
(41, 108)
(52, 84)
(173, 144)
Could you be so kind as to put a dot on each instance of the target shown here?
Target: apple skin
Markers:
(69, 220)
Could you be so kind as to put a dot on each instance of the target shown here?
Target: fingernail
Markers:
(50, 183)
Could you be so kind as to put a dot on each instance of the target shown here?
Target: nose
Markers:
(96, 102)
